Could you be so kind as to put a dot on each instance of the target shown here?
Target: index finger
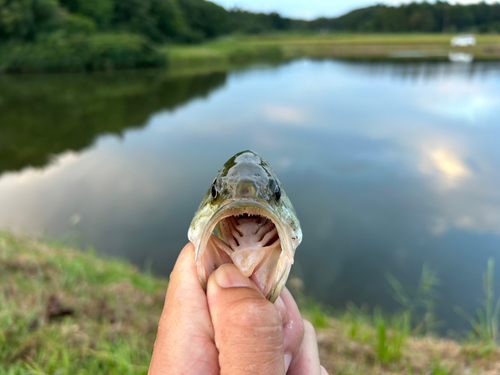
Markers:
(185, 332)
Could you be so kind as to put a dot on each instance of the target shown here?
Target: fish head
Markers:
(256, 225)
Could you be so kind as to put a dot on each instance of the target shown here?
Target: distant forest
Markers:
(90, 35)
(197, 20)
(416, 17)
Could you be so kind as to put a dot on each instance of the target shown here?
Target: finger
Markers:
(323, 371)
(280, 305)
(248, 328)
(307, 360)
(184, 342)
(293, 327)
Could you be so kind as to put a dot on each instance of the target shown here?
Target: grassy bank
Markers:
(124, 51)
(69, 312)
(340, 46)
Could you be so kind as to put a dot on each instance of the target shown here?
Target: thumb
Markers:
(248, 328)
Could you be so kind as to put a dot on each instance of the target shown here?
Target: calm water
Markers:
(388, 166)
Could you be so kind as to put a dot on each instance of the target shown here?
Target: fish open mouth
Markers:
(252, 238)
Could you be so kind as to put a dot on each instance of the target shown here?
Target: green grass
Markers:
(315, 312)
(385, 334)
(348, 38)
(282, 47)
(64, 311)
(485, 323)
(438, 368)
(220, 54)
(392, 332)
(115, 51)
(69, 312)
(420, 303)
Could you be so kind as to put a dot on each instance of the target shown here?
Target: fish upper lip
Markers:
(235, 202)
(249, 202)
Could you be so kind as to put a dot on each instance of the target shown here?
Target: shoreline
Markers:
(66, 311)
(361, 47)
(234, 51)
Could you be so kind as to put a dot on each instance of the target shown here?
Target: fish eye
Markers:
(275, 188)
(214, 190)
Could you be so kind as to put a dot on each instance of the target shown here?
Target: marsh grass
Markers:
(105, 51)
(221, 53)
(439, 368)
(392, 332)
(286, 46)
(419, 302)
(318, 314)
(385, 334)
(64, 311)
(69, 312)
(485, 323)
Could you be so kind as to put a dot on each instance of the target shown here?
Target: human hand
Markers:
(232, 329)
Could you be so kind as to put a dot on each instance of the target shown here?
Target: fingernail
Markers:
(229, 276)
(288, 360)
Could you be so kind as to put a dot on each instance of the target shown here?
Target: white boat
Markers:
(465, 40)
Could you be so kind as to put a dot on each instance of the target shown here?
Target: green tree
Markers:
(157, 19)
(24, 19)
(204, 18)
(101, 11)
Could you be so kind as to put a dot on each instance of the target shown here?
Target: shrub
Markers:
(78, 24)
(60, 52)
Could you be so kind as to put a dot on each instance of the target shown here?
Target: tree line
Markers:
(196, 20)
(84, 35)
(416, 17)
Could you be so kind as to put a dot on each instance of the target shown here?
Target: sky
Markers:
(310, 9)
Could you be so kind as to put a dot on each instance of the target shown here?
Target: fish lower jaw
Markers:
(252, 244)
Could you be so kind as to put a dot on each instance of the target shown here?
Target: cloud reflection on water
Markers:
(285, 114)
(380, 160)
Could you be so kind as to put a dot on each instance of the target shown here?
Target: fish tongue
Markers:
(249, 258)
(249, 252)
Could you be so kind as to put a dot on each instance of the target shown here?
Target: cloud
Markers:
(285, 114)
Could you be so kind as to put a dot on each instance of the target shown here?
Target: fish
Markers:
(247, 219)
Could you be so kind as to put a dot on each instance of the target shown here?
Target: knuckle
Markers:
(253, 327)
(253, 313)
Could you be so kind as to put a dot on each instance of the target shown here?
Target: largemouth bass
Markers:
(255, 223)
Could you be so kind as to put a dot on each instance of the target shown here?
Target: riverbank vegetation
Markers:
(287, 46)
(72, 312)
(83, 35)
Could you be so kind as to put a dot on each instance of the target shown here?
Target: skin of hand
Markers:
(232, 329)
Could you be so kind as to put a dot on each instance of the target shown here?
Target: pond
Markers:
(390, 166)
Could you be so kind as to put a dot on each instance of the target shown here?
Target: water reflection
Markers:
(42, 116)
(388, 166)
(461, 57)
(417, 71)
